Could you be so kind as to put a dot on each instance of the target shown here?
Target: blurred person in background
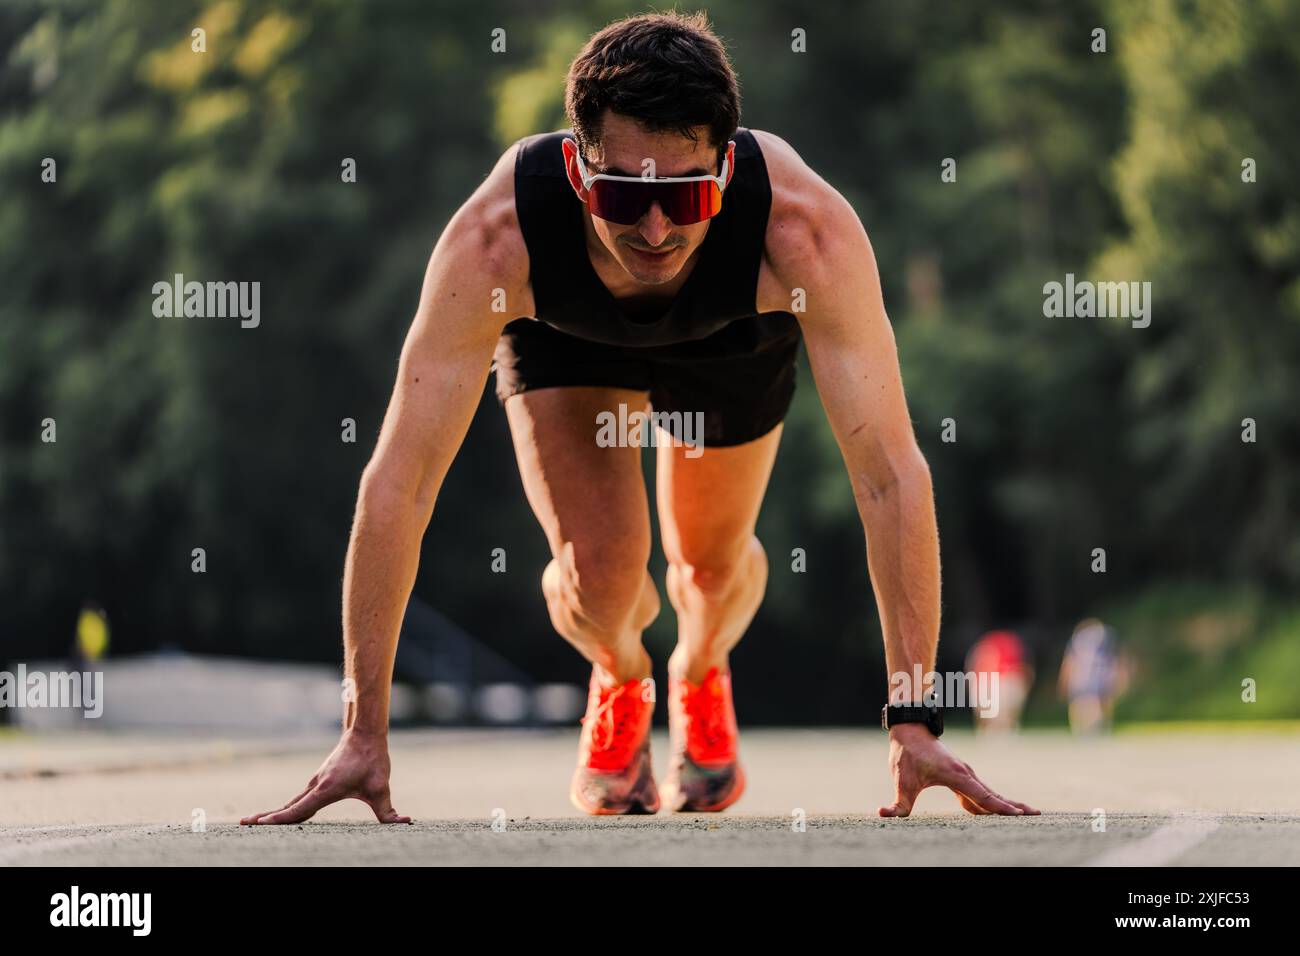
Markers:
(1003, 654)
(1093, 674)
(92, 636)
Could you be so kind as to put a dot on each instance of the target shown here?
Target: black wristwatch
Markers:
(928, 714)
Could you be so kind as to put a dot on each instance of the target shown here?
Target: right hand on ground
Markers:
(357, 769)
(917, 760)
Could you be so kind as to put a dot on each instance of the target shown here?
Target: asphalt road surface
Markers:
(1184, 798)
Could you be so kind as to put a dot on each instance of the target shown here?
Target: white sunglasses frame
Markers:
(589, 178)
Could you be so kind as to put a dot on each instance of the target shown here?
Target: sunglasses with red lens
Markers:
(625, 199)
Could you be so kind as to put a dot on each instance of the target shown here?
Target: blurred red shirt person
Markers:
(1000, 653)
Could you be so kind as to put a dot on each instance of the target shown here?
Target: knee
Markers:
(595, 584)
(716, 570)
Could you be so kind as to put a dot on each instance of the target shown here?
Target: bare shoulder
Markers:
(811, 228)
(484, 240)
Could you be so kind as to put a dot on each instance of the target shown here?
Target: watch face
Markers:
(934, 721)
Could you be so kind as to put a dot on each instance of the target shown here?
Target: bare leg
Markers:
(717, 570)
(591, 503)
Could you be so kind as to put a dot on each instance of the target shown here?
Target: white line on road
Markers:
(1162, 847)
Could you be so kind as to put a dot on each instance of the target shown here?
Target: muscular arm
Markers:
(440, 378)
(816, 243)
(851, 349)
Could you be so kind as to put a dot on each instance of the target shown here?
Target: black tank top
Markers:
(721, 289)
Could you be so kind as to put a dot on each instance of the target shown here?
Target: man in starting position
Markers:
(651, 255)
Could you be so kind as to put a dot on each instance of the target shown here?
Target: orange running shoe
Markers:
(705, 774)
(614, 773)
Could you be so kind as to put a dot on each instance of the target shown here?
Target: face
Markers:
(653, 250)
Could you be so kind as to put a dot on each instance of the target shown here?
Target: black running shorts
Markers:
(741, 377)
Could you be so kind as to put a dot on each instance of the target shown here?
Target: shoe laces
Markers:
(612, 724)
(706, 707)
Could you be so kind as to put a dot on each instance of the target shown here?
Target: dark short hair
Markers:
(668, 71)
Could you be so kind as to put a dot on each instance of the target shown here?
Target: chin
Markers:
(652, 275)
(653, 278)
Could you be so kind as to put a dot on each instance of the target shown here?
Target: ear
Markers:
(571, 167)
(731, 160)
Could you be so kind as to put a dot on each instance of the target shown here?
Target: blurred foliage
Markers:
(1201, 643)
(1071, 433)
